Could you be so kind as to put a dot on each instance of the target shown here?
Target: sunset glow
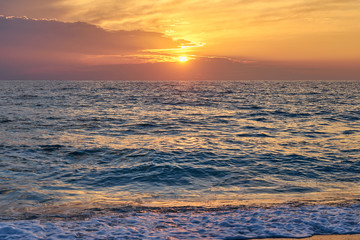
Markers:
(183, 59)
(181, 119)
(294, 35)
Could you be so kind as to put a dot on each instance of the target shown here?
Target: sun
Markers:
(183, 59)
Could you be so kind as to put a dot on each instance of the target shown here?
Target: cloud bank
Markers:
(41, 45)
(49, 49)
(77, 37)
(296, 30)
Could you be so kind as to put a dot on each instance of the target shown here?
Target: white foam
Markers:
(238, 224)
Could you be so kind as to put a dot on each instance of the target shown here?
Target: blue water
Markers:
(71, 146)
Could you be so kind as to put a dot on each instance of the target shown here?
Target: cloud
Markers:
(298, 10)
(33, 8)
(43, 49)
(229, 28)
(77, 37)
(32, 46)
(199, 69)
(162, 14)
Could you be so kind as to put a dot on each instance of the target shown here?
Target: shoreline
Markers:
(320, 237)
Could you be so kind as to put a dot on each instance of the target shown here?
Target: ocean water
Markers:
(179, 159)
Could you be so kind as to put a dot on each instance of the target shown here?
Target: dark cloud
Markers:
(40, 46)
(76, 37)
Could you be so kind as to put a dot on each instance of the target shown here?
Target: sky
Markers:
(215, 39)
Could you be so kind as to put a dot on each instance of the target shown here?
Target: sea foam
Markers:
(284, 221)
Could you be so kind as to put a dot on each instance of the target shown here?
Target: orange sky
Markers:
(293, 34)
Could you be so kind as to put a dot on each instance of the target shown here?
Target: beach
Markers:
(322, 237)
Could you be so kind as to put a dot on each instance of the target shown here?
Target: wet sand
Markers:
(321, 237)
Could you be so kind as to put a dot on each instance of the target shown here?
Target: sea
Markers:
(179, 159)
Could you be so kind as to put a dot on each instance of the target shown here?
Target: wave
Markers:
(190, 223)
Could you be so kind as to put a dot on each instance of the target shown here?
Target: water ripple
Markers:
(118, 141)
